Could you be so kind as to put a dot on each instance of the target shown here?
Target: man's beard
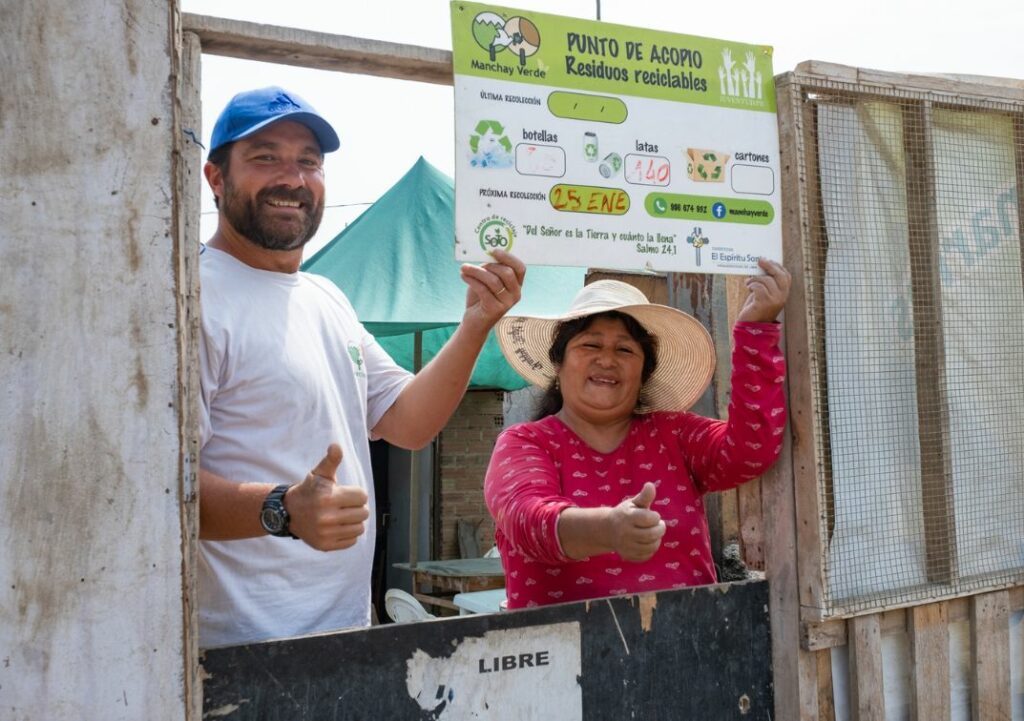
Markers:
(249, 217)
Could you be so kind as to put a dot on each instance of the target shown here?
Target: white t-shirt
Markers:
(286, 369)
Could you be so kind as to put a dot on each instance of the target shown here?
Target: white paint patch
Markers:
(515, 673)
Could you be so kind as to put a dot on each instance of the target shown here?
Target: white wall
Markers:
(91, 609)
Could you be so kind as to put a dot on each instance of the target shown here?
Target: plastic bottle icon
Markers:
(590, 147)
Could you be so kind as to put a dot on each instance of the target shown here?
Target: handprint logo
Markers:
(727, 77)
(752, 82)
(737, 80)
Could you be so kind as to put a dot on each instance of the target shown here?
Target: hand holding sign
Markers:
(325, 515)
(493, 288)
(768, 293)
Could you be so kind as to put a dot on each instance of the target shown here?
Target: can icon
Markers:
(590, 147)
(611, 164)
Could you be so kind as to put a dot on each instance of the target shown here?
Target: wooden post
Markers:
(805, 346)
(188, 181)
(414, 471)
(721, 330)
(1018, 158)
(748, 496)
(929, 658)
(867, 690)
(795, 670)
(322, 51)
(826, 694)
(990, 657)
(929, 355)
(702, 296)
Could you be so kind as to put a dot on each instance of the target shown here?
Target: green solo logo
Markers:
(494, 34)
(495, 232)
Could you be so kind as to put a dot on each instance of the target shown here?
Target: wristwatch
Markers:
(273, 516)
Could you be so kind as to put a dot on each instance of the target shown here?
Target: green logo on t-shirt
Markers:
(355, 352)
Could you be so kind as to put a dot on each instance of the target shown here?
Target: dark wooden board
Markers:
(705, 655)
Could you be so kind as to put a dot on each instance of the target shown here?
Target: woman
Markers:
(601, 495)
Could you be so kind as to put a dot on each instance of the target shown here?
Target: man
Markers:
(288, 371)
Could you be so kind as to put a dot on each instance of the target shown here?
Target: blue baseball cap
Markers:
(253, 110)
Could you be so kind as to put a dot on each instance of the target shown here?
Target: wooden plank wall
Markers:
(929, 653)
(805, 686)
(990, 653)
(928, 637)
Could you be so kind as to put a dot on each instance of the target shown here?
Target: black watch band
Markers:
(274, 516)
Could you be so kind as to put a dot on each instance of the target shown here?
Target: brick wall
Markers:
(465, 449)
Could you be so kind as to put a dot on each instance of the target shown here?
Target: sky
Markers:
(386, 125)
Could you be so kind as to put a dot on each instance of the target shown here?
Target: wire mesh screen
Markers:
(916, 320)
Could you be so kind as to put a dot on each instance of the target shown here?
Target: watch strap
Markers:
(275, 501)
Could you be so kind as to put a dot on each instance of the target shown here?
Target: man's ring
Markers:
(503, 289)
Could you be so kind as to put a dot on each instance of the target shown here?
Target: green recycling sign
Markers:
(586, 143)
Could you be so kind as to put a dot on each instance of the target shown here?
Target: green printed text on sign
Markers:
(603, 58)
(715, 210)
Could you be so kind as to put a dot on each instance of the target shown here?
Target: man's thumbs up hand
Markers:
(327, 468)
(637, 530)
(325, 515)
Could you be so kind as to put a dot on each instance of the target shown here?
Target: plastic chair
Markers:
(403, 607)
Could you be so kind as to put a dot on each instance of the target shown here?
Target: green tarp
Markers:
(396, 263)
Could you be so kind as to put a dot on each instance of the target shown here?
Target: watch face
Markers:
(271, 520)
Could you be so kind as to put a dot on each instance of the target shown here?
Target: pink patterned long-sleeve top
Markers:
(540, 468)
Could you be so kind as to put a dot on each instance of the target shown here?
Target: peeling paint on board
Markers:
(222, 711)
(648, 602)
(718, 642)
(516, 673)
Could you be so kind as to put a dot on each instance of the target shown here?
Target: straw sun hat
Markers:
(686, 355)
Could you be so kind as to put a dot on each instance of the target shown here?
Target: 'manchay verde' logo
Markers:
(495, 34)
